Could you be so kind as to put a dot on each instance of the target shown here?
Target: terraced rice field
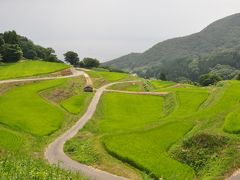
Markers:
(153, 140)
(31, 115)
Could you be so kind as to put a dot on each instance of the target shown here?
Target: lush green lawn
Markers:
(77, 104)
(29, 68)
(22, 108)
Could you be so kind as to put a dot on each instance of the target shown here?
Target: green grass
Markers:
(22, 108)
(232, 122)
(31, 117)
(22, 167)
(10, 140)
(148, 150)
(134, 86)
(127, 124)
(77, 104)
(108, 76)
(157, 84)
(29, 68)
(103, 77)
(120, 112)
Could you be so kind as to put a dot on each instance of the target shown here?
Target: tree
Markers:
(163, 77)
(11, 37)
(238, 77)
(1, 41)
(90, 62)
(11, 53)
(71, 57)
(209, 79)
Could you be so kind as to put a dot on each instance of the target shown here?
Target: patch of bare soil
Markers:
(7, 86)
(58, 94)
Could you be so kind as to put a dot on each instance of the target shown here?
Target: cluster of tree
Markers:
(13, 47)
(72, 58)
(224, 64)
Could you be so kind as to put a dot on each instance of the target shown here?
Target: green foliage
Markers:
(199, 149)
(90, 62)
(1, 41)
(238, 77)
(11, 52)
(22, 167)
(28, 48)
(224, 71)
(80, 148)
(22, 108)
(208, 79)
(29, 68)
(163, 77)
(76, 104)
(10, 37)
(71, 57)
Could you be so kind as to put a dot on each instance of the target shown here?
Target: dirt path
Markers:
(235, 176)
(143, 93)
(75, 73)
(54, 152)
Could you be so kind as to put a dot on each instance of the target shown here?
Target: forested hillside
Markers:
(186, 58)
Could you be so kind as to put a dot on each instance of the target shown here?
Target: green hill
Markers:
(175, 57)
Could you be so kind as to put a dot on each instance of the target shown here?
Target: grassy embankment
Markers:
(143, 85)
(32, 115)
(101, 77)
(29, 68)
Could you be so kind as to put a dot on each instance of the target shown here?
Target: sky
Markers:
(108, 29)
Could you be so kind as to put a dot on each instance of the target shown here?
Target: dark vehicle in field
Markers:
(88, 89)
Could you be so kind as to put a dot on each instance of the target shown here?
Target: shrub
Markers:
(197, 150)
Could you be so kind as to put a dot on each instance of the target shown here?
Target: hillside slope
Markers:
(222, 34)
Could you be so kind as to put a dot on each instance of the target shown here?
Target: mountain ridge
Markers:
(221, 34)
